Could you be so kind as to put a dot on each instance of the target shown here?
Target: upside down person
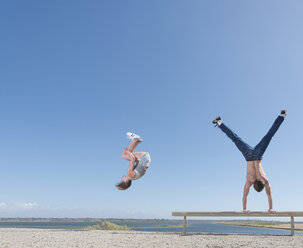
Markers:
(255, 174)
(138, 162)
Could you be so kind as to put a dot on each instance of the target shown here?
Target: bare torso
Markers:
(255, 171)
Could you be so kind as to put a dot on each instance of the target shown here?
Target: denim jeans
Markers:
(257, 152)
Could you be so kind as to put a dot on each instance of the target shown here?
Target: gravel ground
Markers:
(40, 238)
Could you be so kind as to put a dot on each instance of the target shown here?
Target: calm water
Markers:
(154, 226)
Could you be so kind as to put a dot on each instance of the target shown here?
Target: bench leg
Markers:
(184, 230)
(292, 225)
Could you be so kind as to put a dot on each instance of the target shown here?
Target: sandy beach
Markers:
(284, 226)
(39, 238)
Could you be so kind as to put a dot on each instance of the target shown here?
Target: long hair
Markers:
(123, 185)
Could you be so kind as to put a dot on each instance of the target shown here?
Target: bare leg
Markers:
(130, 149)
(133, 144)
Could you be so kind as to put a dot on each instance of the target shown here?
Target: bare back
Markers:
(255, 171)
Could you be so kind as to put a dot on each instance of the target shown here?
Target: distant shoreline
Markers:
(217, 221)
(271, 225)
(246, 223)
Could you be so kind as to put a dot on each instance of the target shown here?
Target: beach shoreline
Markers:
(275, 225)
(55, 238)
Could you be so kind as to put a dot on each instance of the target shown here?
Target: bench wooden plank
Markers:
(249, 214)
(255, 214)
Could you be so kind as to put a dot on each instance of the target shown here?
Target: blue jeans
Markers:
(257, 152)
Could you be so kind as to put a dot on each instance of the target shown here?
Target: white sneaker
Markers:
(134, 136)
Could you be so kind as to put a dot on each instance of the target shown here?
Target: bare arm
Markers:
(245, 194)
(268, 193)
(130, 170)
(127, 155)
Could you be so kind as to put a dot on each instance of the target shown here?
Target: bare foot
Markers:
(246, 211)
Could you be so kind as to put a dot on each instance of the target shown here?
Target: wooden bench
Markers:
(250, 214)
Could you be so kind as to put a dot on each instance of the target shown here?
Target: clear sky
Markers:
(75, 76)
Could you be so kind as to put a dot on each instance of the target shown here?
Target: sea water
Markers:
(155, 226)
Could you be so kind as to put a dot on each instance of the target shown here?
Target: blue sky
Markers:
(77, 75)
